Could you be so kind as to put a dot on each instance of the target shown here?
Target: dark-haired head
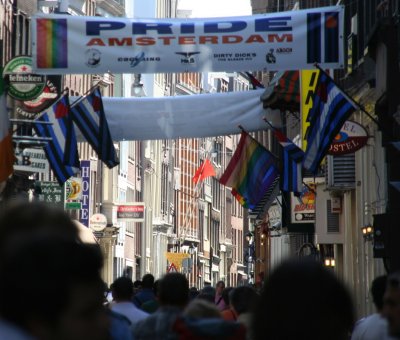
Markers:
(303, 300)
(122, 289)
(378, 288)
(173, 290)
(148, 281)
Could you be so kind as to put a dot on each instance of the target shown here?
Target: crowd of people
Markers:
(51, 289)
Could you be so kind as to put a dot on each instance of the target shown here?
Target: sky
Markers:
(216, 8)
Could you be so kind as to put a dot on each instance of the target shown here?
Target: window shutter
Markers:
(341, 172)
(332, 219)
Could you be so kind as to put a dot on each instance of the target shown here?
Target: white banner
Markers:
(193, 116)
(64, 44)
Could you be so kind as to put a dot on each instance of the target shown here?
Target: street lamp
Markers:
(137, 86)
(248, 236)
(368, 232)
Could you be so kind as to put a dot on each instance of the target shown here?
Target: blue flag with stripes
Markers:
(292, 158)
(331, 108)
(62, 150)
(88, 115)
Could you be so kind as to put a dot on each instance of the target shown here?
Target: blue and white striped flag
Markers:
(62, 149)
(292, 175)
(331, 108)
(88, 115)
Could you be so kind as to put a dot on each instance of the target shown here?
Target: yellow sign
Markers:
(308, 81)
(176, 258)
(73, 188)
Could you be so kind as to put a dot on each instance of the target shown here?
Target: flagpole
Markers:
(360, 107)
(270, 125)
(85, 94)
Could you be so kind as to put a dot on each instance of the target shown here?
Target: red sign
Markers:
(132, 211)
(46, 98)
(352, 137)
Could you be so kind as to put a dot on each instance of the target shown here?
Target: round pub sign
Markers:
(23, 84)
(98, 222)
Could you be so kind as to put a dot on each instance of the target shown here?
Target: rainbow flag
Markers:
(251, 172)
(7, 156)
(52, 43)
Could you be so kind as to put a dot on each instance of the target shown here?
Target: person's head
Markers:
(174, 290)
(122, 289)
(243, 299)
(148, 281)
(137, 285)
(219, 287)
(225, 295)
(378, 288)
(22, 220)
(156, 287)
(208, 290)
(303, 300)
(201, 309)
(391, 304)
(193, 293)
(63, 298)
(206, 296)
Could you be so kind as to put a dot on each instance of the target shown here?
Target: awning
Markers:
(262, 207)
(283, 93)
(85, 233)
(191, 116)
(243, 274)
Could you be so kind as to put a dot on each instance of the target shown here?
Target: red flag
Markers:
(205, 170)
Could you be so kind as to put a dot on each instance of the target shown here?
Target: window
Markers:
(217, 153)
(216, 194)
(164, 189)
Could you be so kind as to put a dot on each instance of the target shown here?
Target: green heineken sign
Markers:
(23, 84)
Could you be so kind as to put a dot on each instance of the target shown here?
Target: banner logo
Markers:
(270, 57)
(187, 57)
(93, 57)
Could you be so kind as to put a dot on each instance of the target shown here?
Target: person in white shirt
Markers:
(374, 326)
(122, 292)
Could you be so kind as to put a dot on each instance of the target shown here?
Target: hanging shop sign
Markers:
(131, 211)
(64, 44)
(31, 160)
(98, 222)
(303, 206)
(48, 96)
(23, 84)
(352, 137)
(51, 193)
(86, 198)
(73, 189)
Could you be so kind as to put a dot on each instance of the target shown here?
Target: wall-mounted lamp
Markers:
(192, 249)
(368, 232)
(329, 262)
(248, 236)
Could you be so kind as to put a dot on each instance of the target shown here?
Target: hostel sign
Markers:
(352, 137)
(275, 41)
